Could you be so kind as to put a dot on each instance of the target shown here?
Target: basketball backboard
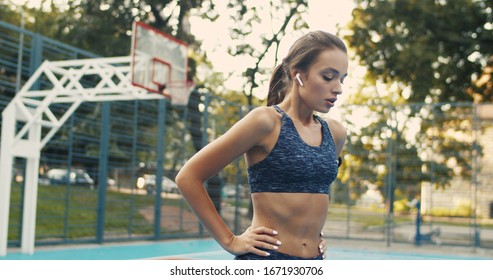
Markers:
(159, 62)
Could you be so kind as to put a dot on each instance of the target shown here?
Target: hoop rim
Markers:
(167, 89)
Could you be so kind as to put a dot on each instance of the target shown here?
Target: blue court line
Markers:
(202, 249)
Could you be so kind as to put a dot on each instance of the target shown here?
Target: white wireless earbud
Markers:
(299, 80)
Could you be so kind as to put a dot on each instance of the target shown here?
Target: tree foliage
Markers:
(34, 19)
(422, 51)
(435, 47)
(283, 14)
(104, 27)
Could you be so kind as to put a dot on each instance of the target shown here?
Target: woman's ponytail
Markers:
(277, 86)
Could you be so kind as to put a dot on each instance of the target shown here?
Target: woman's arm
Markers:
(243, 136)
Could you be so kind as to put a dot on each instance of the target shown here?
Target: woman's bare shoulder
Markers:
(263, 118)
(336, 126)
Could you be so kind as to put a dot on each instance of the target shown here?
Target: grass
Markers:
(68, 213)
(71, 213)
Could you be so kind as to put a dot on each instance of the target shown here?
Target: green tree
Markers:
(435, 47)
(38, 20)
(285, 15)
(483, 85)
(424, 51)
(104, 27)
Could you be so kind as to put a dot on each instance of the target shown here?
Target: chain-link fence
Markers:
(434, 157)
(107, 175)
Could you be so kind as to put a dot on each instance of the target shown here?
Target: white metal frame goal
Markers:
(28, 123)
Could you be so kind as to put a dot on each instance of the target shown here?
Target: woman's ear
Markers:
(299, 79)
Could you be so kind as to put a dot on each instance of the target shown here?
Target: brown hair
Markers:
(300, 56)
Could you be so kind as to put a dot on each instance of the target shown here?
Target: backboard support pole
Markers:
(30, 110)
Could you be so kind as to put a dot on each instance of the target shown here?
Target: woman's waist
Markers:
(295, 231)
(298, 219)
(298, 239)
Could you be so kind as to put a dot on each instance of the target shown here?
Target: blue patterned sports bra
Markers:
(293, 166)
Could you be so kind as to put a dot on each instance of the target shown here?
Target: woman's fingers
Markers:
(259, 252)
(264, 230)
(266, 242)
(268, 239)
(323, 245)
(265, 236)
(262, 238)
(256, 240)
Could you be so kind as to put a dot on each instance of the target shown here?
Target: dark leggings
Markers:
(274, 255)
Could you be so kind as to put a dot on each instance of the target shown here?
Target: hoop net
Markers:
(179, 92)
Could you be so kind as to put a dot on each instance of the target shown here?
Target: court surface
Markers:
(208, 249)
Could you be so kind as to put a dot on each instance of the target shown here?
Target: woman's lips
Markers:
(330, 102)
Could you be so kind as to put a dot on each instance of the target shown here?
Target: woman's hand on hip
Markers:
(253, 240)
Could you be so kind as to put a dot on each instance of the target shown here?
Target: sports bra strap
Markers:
(279, 109)
(283, 113)
(319, 119)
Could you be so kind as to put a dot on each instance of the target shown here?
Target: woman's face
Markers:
(322, 83)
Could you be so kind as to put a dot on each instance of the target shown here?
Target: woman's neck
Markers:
(294, 107)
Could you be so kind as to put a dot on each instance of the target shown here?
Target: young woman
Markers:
(291, 154)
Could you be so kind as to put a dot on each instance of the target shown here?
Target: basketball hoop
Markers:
(160, 64)
(180, 92)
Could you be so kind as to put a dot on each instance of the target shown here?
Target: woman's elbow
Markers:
(180, 179)
(186, 179)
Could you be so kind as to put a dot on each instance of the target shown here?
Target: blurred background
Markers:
(417, 106)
